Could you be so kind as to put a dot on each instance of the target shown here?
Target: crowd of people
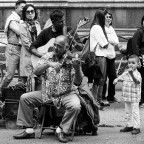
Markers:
(58, 72)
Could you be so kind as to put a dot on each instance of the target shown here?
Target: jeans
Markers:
(37, 83)
(98, 84)
(12, 55)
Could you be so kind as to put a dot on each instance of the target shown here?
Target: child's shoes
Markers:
(126, 129)
(135, 131)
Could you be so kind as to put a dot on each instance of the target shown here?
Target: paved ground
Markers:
(112, 120)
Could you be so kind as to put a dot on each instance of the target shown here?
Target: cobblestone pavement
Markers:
(112, 120)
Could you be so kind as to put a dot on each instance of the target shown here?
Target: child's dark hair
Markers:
(134, 56)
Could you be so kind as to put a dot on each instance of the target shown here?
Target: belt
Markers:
(15, 44)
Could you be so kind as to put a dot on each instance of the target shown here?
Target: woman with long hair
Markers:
(29, 29)
(99, 44)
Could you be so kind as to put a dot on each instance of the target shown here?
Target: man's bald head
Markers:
(61, 40)
(60, 45)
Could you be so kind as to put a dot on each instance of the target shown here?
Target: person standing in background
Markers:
(13, 47)
(111, 69)
(99, 44)
(138, 49)
(29, 29)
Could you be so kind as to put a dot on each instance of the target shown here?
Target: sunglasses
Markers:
(109, 17)
(30, 11)
(60, 21)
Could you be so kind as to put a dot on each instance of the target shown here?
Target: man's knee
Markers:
(76, 105)
(24, 97)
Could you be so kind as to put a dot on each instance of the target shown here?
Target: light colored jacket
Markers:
(25, 59)
(12, 37)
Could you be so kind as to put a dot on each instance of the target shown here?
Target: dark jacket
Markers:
(138, 42)
(89, 105)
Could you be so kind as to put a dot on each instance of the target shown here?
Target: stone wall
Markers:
(126, 13)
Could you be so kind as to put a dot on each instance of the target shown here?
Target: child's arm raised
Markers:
(120, 78)
(133, 76)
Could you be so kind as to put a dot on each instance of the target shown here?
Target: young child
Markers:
(131, 91)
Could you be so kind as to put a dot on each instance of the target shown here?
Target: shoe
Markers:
(135, 131)
(141, 102)
(126, 129)
(61, 137)
(24, 135)
(101, 108)
(142, 105)
(104, 103)
(94, 131)
(112, 100)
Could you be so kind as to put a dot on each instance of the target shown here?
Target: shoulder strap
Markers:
(95, 47)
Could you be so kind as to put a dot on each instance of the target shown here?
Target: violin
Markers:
(69, 58)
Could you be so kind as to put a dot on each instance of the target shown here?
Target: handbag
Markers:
(91, 67)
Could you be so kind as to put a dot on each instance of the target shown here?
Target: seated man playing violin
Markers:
(62, 76)
(58, 28)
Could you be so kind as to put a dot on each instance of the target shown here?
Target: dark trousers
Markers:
(111, 74)
(141, 70)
